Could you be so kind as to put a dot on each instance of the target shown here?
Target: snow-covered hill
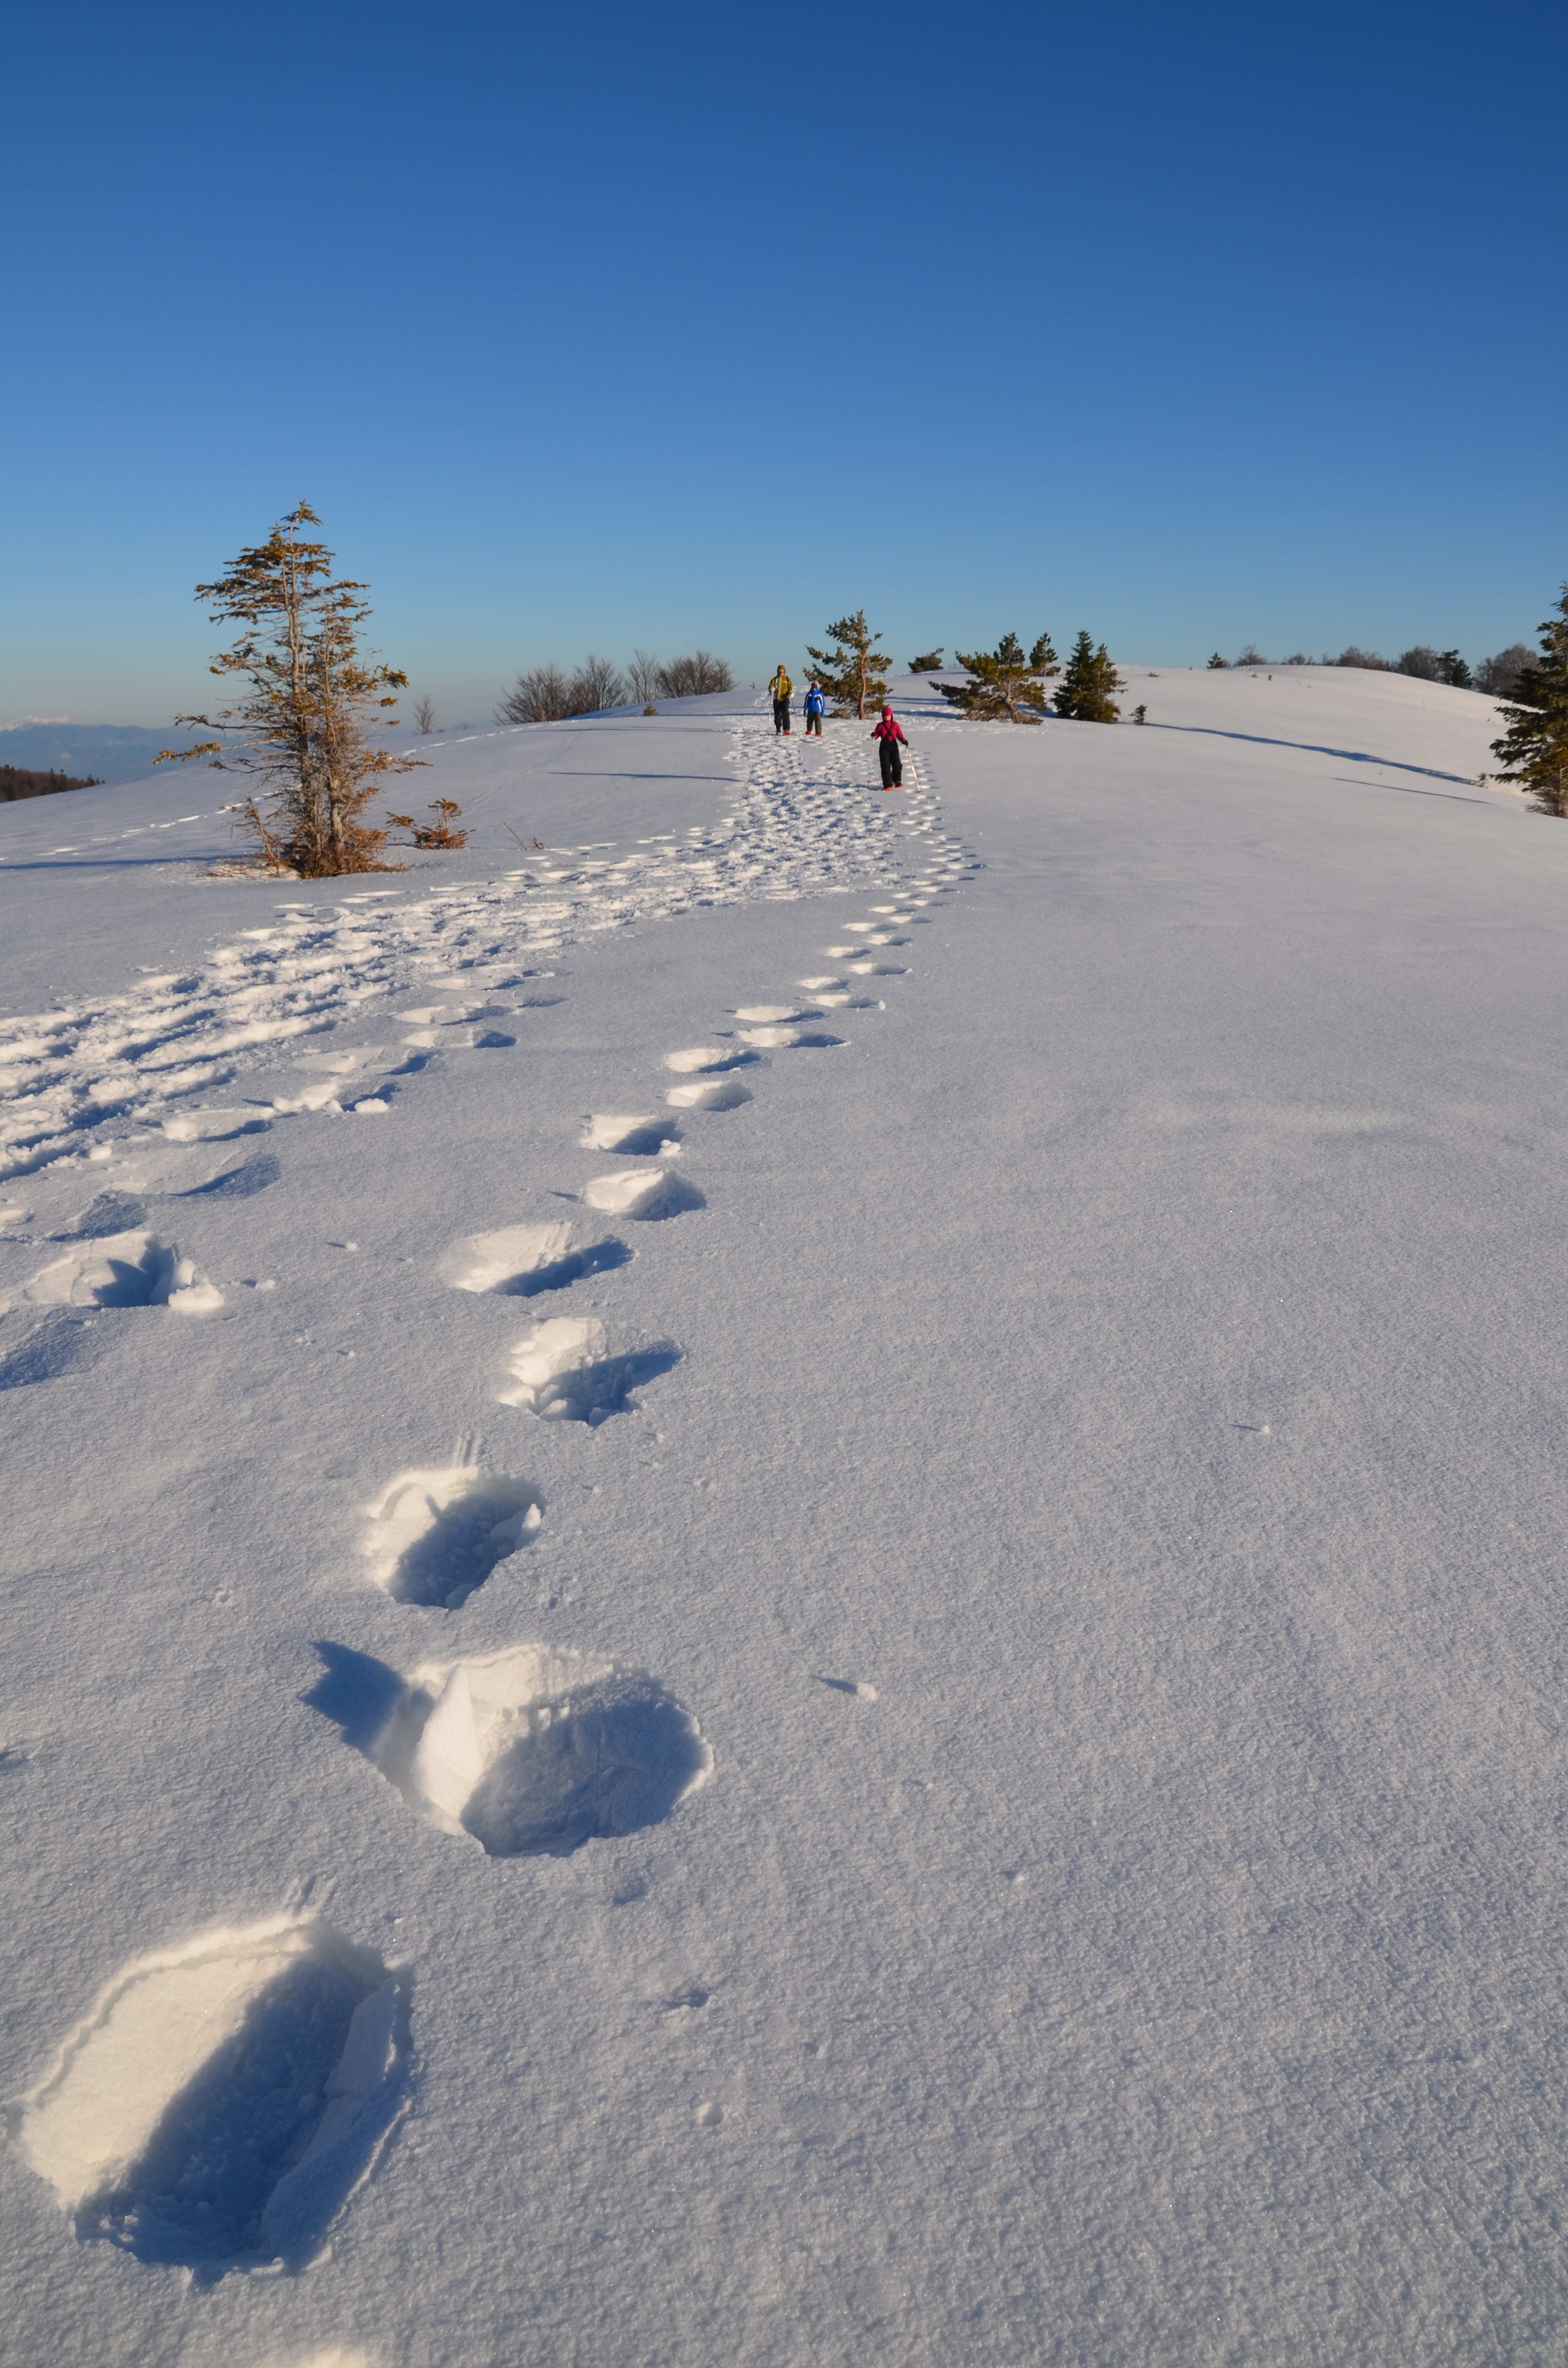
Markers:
(783, 1584)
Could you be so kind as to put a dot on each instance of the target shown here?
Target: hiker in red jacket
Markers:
(888, 736)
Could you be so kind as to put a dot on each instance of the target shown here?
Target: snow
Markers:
(849, 1648)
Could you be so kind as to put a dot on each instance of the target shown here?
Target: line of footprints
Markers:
(223, 2100)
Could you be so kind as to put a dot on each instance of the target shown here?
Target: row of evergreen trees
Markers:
(1004, 683)
(20, 781)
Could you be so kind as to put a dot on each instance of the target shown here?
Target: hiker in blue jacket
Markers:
(815, 702)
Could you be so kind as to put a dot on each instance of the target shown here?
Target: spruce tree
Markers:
(1003, 682)
(1086, 685)
(1534, 749)
(298, 731)
(1217, 661)
(852, 671)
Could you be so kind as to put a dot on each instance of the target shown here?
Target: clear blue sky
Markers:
(605, 326)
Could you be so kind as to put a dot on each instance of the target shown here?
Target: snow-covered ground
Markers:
(783, 1584)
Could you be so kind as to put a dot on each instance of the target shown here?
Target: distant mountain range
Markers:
(112, 752)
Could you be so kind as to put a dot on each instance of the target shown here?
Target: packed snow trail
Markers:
(795, 828)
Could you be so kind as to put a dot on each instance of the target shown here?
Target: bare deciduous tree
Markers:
(597, 683)
(546, 695)
(536, 697)
(642, 676)
(695, 677)
(1497, 675)
(424, 715)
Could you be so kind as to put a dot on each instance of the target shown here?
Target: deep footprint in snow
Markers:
(709, 1094)
(537, 1750)
(223, 2100)
(708, 1060)
(132, 1270)
(435, 1537)
(639, 1136)
(564, 1371)
(793, 1039)
(646, 1194)
(520, 1261)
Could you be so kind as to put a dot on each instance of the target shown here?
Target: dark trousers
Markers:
(780, 715)
(813, 724)
(892, 770)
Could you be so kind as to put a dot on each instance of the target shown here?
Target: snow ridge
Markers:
(798, 824)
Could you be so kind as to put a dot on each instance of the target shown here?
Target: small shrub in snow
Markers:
(439, 833)
(930, 663)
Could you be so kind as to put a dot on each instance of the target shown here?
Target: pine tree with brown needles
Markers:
(299, 729)
(853, 670)
(1003, 683)
(1534, 748)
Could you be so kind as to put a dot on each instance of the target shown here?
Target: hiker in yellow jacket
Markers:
(780, 687)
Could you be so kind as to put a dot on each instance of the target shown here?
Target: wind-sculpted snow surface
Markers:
(140, 1057)
(934, 1659)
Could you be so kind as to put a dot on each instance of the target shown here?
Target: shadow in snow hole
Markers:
(466, 1538)
(595, 1258)
(254, 2158)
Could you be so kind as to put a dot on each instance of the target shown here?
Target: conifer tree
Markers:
(853, 671)
(1217, 661)
(930, 663)
(1003, 682)
(299, 729)
(1534, 748)
(1087, 683)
